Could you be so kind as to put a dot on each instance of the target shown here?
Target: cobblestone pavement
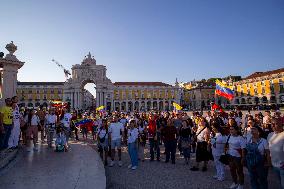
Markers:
(156, 175)
(79, 168)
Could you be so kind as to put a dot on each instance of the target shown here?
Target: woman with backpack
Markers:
(257, 159)
(103, 141)
(236, 146)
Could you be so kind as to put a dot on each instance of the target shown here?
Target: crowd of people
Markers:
(253, 141)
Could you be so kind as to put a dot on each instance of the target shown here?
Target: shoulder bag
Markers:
(225, 157)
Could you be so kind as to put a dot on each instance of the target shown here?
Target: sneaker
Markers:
(119, 163)
(28, 149)
(234, 186)
(35, 148)
(129, 166)
(240, 187)
(134, 168)
(111, 164)
(215, 177)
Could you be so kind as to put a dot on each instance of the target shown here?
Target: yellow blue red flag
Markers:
(224, 90)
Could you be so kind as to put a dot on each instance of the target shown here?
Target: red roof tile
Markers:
(260, 74)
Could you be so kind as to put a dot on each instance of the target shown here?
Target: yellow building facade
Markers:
(260, 88)
(35, 94)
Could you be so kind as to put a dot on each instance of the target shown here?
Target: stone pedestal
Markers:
(9, 68)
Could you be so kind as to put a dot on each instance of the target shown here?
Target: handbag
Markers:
(225, 157)
(102, 140)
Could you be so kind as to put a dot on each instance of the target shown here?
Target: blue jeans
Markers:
(280, 174)
(7, 134)
(132, 150)
(258, 177)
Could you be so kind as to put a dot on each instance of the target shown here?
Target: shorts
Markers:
(116, 143)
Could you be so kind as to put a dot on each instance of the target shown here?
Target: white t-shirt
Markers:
(218, 144)
(238, 120)
(123, 121)
(202, 134)
(236, 143)
(262, 145)
(16, 117)
(276, 147)
(103, 133)
(114, 129)
(66, 119)
(34, 121)
(247, 134)
(50, 119)
(266, 119)
(132, 135)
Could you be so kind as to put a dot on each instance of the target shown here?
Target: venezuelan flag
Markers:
(224, 90)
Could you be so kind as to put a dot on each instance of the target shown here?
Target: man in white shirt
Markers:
(66, 123)
(115, 131)
(276, 147)
(50, 121)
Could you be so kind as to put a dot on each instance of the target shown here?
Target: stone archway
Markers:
(161, 105)
(117, 106)
(130, 106)
(142, 108)
(123, 106)
(136, 106)
(88, 72)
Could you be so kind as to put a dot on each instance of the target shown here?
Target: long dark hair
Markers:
(30, 116)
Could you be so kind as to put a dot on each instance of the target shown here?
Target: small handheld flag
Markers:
(177, 106)
(100, 108)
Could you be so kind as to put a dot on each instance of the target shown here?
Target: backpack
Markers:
(253, 155)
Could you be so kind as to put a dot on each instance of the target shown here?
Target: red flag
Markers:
(217, 107)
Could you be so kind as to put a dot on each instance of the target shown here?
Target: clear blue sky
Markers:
(146, 40)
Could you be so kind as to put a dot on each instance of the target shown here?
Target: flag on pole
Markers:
(224, 90)
(177, 106)
(100, 108)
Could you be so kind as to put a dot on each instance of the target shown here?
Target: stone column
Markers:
(10, 65)
(9, 81)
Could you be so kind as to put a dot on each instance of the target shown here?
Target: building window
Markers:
(52, 91)
(281, 86)
(30, 91)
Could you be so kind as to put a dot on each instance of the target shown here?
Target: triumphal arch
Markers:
(88, 72)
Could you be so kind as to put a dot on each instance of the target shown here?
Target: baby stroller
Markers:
(60, 142)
